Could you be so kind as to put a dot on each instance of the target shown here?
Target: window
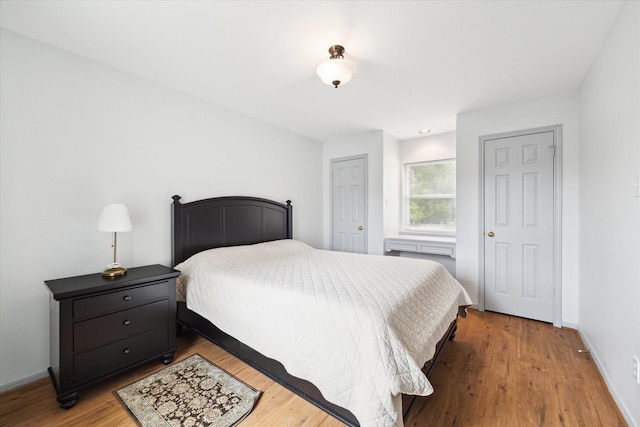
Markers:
(430, 197)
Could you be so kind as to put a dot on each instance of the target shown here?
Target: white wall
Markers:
(392, 183)
(77, 135)
(610, 209)
(551, 110)
(433, 147)
(371, 144)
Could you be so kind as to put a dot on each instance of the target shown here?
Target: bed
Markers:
(329, 317)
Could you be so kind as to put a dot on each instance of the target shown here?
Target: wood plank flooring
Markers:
(499, 371)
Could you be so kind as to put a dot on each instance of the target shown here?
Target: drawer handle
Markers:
(126, 298)
(126, 351)
(126, 322)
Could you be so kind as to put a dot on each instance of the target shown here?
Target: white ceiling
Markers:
(419, 62)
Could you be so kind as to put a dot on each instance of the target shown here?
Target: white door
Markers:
(348, 204)
(519, 225)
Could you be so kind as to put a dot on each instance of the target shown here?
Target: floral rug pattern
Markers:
(193, 392)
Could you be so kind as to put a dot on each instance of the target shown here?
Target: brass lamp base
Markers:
(114, 272)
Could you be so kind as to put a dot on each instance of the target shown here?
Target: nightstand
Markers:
(101, 326)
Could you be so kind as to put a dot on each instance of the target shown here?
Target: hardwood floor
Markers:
(499, 371)
(508, 371)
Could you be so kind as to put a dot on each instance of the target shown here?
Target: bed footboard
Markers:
(271, 368)
(274, 369)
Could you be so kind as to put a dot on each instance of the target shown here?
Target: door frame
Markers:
(557, 216)
(365, 212)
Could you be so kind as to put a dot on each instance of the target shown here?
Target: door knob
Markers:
(490, 234)
(360, 228)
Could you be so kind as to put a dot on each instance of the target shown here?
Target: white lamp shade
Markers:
(336, 70)
(115, 218)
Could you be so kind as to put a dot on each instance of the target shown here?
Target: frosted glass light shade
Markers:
(335, 72)
(115, 218)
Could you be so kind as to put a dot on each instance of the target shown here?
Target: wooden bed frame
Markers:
(232, 221)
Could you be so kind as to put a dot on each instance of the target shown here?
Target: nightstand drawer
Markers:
(112, 327)
(111, 357)
(121, 300)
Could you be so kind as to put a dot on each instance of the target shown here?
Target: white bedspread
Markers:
(359, 327)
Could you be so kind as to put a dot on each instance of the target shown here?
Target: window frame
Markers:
(405, 227)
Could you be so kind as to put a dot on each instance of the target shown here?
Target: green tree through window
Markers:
(430, 197)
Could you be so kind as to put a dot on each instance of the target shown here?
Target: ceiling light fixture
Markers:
(336, 70)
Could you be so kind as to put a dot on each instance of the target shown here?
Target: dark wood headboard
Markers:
(226, 221)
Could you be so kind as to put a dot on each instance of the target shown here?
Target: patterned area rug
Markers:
(193, 392)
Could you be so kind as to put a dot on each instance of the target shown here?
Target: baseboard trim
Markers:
(569, 325)
(23, 381)
(603, 373)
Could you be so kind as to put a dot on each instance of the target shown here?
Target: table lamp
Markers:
(114, 218)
